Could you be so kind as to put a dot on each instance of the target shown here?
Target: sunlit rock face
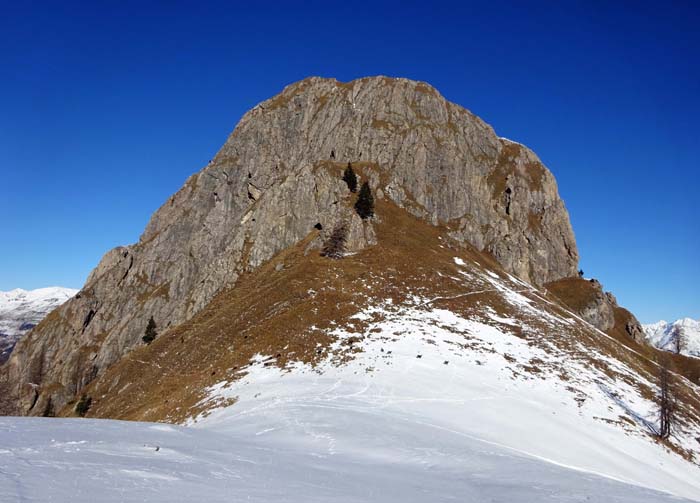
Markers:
(276, 180)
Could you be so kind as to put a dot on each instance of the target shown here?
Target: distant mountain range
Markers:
(681, 336)
(21, 310)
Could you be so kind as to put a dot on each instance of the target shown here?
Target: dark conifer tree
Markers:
(83, 405)
(365, 202)
(150, 334)
(350, 178)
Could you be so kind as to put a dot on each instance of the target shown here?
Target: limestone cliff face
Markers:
(273, 182)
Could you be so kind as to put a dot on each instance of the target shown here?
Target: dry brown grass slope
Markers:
(578, 293)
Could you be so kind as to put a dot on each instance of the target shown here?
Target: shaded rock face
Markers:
(277, 178)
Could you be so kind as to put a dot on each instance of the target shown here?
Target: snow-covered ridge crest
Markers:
(489, 378)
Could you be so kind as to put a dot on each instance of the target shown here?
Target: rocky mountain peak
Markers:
(680, 336)
(277, 182)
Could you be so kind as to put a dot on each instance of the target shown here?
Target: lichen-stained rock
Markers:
(275, 179)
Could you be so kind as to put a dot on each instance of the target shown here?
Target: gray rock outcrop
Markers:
(634, 329)
(587, 299)
(275, 179)
(600, 311)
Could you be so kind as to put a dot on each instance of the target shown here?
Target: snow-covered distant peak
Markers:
(682, 336)
(39, 294)
(688, 322)
(21, 310)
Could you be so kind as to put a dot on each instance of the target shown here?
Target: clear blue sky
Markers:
(106, 110)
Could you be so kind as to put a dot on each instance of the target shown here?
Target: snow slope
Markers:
(412, 402)
(389, 459)
(663, 335)
(21, 310)
(428, 380)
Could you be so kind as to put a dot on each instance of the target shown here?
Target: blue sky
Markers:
(106, 111)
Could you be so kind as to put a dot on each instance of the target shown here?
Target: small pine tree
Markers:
(350, 178)
(83, 405)
(365, 202)
(150, 334)
(334, 247)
